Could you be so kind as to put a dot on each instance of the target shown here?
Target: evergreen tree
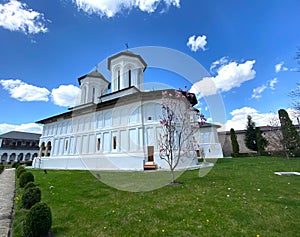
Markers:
(250, 135)
(290, 136)
(261, 142)
(234, 143)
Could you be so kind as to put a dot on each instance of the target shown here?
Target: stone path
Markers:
(7, 192)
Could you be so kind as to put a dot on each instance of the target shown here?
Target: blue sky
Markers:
(248, 47)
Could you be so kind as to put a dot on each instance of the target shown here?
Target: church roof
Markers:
(126, 53)
(20, 135)
(94, 74)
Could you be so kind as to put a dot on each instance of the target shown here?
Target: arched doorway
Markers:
(20, 157)
(42, 149)
(4, 158)
(48, 149)
(12, 157)
(27, 157)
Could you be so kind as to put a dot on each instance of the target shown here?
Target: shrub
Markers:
(38, 221)
(25, 178)
(15, 165)
(1, 168)
(29, 185)
(30, 197)
(28, 163)
(19, 171)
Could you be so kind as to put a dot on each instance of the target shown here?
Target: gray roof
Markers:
(21, 135)
(94, 74)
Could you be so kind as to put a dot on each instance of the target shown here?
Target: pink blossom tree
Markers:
(179, 120)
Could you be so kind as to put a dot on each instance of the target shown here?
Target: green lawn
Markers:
(238, 197)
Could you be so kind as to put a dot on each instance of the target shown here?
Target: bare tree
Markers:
(179, 122)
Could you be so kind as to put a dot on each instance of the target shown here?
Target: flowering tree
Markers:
(179, 122)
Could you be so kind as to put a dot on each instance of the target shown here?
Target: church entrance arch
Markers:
(4, 158)
(42, 149)
(48, 149)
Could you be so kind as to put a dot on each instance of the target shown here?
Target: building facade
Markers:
(18, 146)
(115, 126)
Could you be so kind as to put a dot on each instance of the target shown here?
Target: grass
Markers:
(238, 197)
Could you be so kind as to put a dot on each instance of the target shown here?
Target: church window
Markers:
(149, 118)
(98, 144)
(93, 95)
(119, 80)
(129, 77)
(114, 142)
(67, 144)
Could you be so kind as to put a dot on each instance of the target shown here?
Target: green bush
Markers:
(38, 221)
(19, 171)
(28, 163)
(1, 168)
(15, 165)
(30, 197)
(25, 178)
(29, 185)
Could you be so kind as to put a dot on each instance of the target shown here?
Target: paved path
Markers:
(7, 192)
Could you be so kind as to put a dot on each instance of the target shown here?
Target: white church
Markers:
(115, 126)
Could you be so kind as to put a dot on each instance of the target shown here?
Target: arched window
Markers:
(129, 78)
(118, 80)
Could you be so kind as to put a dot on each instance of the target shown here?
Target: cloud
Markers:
(239, 118)
(219, 63)
(27, 127)
(233, 75)
(16, 16)
(279, 67)
(256, 93)
(110, 8)
(24, 92)
(228, 76)
(65, 95)
(272, 83)
(197, 43)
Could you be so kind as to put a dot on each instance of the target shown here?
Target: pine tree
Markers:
(261, 142)
(250, 135)
(234, 143)
(291, 139)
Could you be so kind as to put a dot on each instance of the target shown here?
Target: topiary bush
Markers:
(38, 221)
(30, 197)
(15, 165)
(19, 171)
(29, 185)
(1, 168)
(25, 178)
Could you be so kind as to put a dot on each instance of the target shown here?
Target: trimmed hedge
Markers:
(30, 197)
(38, 221)
(25, 178)
(1, 168)
(19, 171)
(29, 185)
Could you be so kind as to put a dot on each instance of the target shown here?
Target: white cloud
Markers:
(239, 118)
(16, 16)
(196, 43)
(257, 91)
(279, 67)
(273, 82)
(228, 76)
(219, 62)
(110, 8)
(27, 127)
(233, 75)
(65, 95)
(24, 92)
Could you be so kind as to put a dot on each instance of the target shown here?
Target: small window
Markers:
(67, 144)
(119, 80)
(149, 118)
(129, 77)
(114, 142)
(98, 144)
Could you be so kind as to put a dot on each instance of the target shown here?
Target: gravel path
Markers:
(7, 192)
